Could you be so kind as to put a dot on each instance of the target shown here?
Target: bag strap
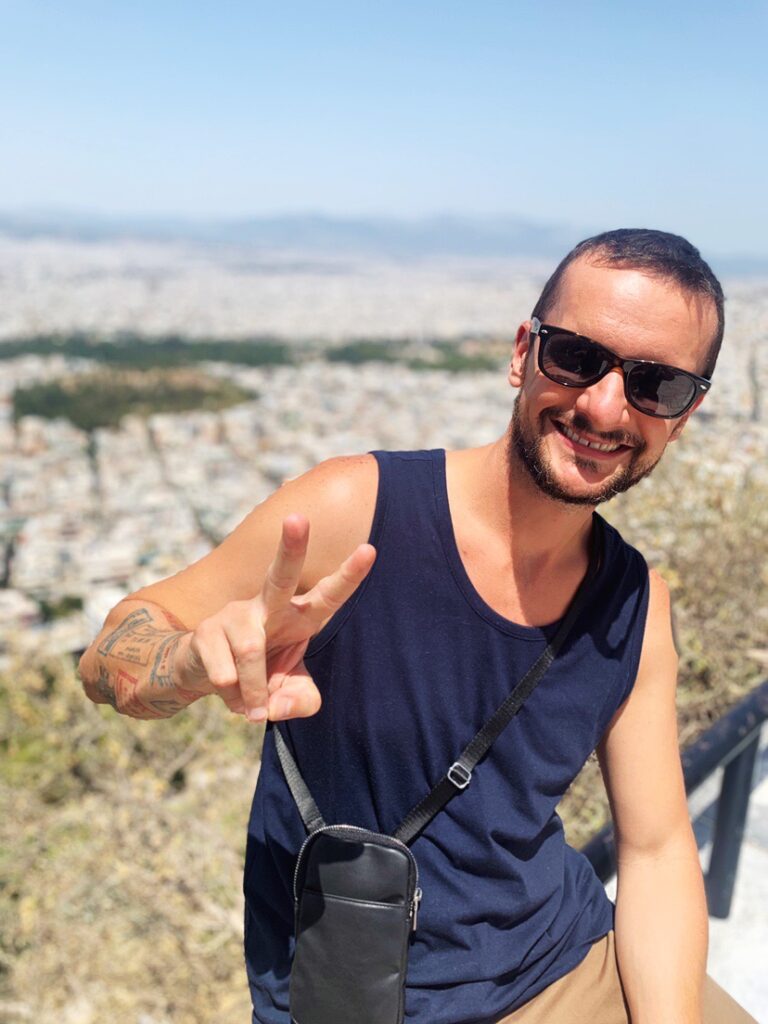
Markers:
(459, 775)
(308, 809)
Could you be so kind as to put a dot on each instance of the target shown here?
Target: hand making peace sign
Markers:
(251, 652)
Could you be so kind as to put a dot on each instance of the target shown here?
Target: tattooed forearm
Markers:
(105, 688)
(136, 638)
(162, 667)
(168, 707)
(131, 667)
(121, 691)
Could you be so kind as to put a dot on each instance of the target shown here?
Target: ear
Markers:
(520, 352)
(680, 423)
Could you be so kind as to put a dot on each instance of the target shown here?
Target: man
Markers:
(382, 640)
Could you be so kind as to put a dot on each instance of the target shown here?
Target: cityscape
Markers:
(88, 516)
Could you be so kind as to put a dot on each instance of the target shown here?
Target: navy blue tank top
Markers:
(409, 669)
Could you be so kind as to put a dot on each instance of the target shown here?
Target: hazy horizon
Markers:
(313, 232)
(599, 116)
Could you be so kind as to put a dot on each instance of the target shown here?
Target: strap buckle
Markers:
(459, 775)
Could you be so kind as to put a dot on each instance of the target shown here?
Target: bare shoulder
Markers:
(659, 592)
(658, 626)
(337, 496)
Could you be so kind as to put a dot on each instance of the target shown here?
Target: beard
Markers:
(527, 448)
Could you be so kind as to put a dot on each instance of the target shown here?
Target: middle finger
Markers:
(284, 571)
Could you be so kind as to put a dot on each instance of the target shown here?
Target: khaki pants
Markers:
(592, 994)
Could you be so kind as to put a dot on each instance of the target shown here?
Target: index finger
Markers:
(284, 571)
(333, 590)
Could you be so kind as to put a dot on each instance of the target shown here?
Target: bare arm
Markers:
(661, 911)
(236, 623)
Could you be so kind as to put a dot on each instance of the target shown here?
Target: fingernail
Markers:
(257, 715)
(282, 708)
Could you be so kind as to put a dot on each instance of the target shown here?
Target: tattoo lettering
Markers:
(167, 707)
(134, 639)
(162, 669)
(148, 690)
(105, 689)
(132, 622)
(128, 701)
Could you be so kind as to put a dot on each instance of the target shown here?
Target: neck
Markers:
(542, 534)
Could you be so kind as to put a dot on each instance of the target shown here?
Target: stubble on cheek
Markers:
(528, 449)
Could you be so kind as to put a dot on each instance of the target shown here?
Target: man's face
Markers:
(636, 316)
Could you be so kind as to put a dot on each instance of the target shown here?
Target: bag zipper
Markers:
(390, 841)
(415, 904)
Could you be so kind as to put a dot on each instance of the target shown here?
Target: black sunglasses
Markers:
(575, 361)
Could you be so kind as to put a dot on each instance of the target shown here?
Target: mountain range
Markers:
(502, 236)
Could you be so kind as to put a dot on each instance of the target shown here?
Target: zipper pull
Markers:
(415, 908)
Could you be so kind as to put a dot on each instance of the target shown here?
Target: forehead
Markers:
(636, 313)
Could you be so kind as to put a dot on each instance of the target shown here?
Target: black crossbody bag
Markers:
(357, 892)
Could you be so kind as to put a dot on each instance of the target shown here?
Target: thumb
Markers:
(297, 696)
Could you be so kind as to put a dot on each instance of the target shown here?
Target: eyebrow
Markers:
(609, 348)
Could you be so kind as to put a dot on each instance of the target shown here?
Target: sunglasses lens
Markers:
(569, 359)
(660, 390)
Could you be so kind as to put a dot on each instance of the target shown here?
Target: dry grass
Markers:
(122, 856)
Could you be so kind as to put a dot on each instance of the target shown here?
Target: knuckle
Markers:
(204, 640)
(328, 595)
(280, 580)
(204, 630)
(251, 616)
(207, 632)
(249, 651)
(222, 680)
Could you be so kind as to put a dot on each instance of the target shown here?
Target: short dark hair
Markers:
(657, 252)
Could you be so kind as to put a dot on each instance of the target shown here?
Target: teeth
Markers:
(589, 444)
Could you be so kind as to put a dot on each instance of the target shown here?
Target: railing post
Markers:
(730, 822)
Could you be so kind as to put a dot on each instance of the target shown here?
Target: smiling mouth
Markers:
(604, 447)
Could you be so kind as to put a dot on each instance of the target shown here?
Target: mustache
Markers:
(581, 424)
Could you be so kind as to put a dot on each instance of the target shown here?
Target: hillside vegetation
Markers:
(103, 397)
(142, 352)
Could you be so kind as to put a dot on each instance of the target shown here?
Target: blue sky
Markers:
(597, 114)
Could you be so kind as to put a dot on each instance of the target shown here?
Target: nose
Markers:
(605, 404)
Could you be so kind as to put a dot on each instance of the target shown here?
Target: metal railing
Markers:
(731, 743)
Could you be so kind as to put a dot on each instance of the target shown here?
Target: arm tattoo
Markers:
(149, 689)
(105, 689)
(135, 638)
(168, 707)
(162, 668)
(128, 702)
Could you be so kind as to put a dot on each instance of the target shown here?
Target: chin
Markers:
(530, 451)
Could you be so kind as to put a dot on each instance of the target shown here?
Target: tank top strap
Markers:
(404, 514)
(411, 518)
